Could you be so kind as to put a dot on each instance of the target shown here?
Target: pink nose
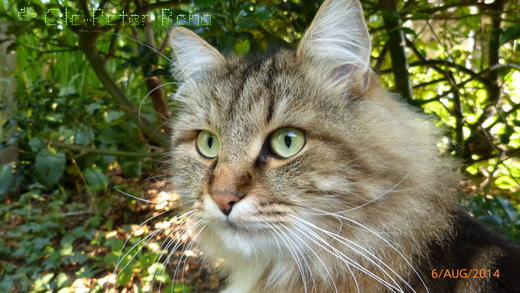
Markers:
(228, 185)
(225, 199)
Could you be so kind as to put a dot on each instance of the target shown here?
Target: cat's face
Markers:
(256, 144)
(263, 146)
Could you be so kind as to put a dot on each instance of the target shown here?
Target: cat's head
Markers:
(269, 146)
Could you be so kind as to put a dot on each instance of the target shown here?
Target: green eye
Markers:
(287, 142)
(208, 144)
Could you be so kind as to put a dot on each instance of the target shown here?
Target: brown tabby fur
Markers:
(366, 206)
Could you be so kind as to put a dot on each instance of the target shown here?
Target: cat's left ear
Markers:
(338, 40)
(192, 54)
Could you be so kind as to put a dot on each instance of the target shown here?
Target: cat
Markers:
(300, 173)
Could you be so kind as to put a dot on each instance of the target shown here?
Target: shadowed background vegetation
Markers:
(84, 114)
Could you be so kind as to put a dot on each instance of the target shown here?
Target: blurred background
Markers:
(84, 113)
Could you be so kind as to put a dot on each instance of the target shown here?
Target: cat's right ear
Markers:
(192, 54)
(338, 40)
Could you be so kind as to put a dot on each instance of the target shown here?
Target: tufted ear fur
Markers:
(338, 41)
(192, 54)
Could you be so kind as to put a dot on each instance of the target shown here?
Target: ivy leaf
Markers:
(49, 167)
(79, 258)
(62, 280)
(43, 283)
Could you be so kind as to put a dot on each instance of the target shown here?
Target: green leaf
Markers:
(36, 144)
(62, 280)
(67, 90)
(84, 136)
(508, 208)
(96, 179)
(491, 220)
(131, 168)
(242, 47)
(79, 258)
(6, 178)
(390, 14)
(509, 34)
(42, 284)
(408, 31)
(113, 116)
(109, 224)
(158, 271)
(506, 182)
(91, 108)
(41, 242)
(115, 244)
(93, 221)
(49, 167)
(110, 259)
(247, 23)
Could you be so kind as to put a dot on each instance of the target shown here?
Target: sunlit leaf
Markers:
(242, 47)
(505, 182)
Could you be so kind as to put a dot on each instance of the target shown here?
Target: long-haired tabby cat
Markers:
(302, 174)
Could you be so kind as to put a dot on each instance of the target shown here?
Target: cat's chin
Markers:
(240, 239)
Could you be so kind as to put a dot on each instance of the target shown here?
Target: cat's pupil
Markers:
(287, 139)
(210, 141)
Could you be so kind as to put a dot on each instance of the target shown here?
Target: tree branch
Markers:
(155, 86)
(492, 86)
(396, 48)
(87, 43)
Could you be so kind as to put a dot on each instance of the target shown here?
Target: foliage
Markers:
(90, 114)
(498, 213)
(48, 245)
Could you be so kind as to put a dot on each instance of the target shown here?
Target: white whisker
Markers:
(169, 242)
(290, 248)
(380, 237)
(342, 240)
(317, 256)
(346, 259)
